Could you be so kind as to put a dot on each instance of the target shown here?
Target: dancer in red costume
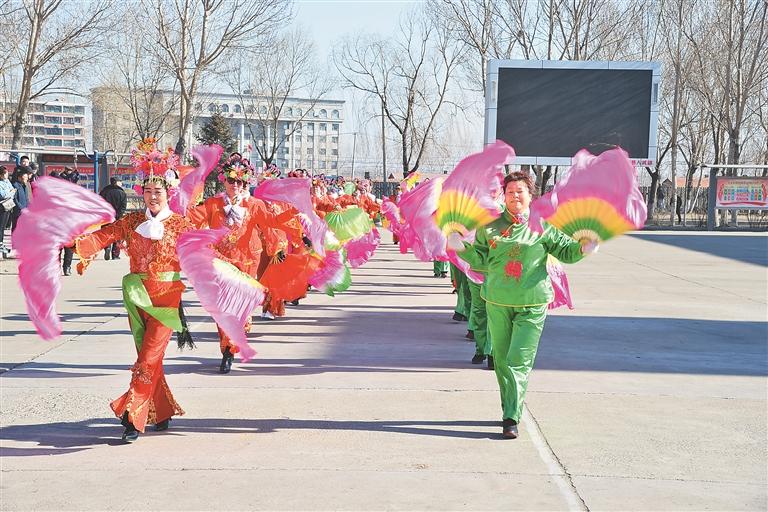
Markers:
(248, 220)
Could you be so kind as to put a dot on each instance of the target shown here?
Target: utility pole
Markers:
(354, 144)
(383, 147)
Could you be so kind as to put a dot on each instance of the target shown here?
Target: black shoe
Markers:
(162, 425)
(295, 302)
(509, 428)
(443, 274)
(115, 257)
(490, 362)
(458, 317)
(478, 359)
(226, 361)
(130, 434)
(470, 335)
(67, 271)
(106, 256)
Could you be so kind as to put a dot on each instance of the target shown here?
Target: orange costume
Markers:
(244, 245)
(151, 293)
(279, 239)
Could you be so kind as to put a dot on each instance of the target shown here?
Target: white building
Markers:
(51, 125)
(308, 130)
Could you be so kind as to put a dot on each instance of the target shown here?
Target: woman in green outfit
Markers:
(516, 289)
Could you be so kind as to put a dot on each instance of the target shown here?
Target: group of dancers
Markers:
(286, 236)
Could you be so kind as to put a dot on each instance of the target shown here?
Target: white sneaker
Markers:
(267, 316)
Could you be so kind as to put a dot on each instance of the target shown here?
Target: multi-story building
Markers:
(52, 125)
(307, 130)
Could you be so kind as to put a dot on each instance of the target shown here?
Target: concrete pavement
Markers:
(651, 395)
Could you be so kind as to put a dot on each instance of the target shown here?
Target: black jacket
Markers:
(115, 196)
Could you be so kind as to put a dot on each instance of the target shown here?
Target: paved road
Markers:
(651, 395)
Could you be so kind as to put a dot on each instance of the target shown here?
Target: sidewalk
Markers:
(651, 395)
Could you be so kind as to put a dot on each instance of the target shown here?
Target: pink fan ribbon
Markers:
(295, 191)
(227, 294)
(609, 176)
(330, 271)
(207, 157)
(480, 176)
(360, 250)
(59, 212)
(560, 286)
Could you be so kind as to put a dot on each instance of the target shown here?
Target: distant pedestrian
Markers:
(7, 204)
(21, 199)
(679, 209)
(114, 195)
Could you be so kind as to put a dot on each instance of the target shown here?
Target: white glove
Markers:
(589, 246)
(455, 242)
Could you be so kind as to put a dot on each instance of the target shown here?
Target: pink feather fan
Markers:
(59, 213)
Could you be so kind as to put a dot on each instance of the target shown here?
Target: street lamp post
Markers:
(354, 144)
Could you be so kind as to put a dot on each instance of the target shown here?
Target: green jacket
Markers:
(514, 260)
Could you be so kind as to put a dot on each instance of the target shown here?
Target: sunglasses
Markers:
(232, 181)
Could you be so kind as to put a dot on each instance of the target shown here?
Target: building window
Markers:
(198, 106)
(237, 109)
(38, 119)
(309, 151)
(323, 139)
(53, 108)
(334, 165)
(335, 127)
(251, 109)
(68, 131)
(322, 164)
(263, 110)
(53, 131)
(225, 108)
(334, 140)
(298, 112)
(323, 113)
(323, 127)
(322, 151)
(335, 152)
(335, 114)
(289, 112)
(211, 107)
(309, 138)
(310, 127)
(52, 120)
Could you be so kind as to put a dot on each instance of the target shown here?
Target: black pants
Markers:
(15, 214)
(5, 217)
(112, 251)
(67, 261)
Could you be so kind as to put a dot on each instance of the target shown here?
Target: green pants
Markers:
(463, 295)
(515, 334)
(439, 267)
(478, 320)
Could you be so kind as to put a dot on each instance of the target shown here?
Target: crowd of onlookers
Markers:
(16, 195)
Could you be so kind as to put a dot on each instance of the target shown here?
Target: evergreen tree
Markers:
(217, 131)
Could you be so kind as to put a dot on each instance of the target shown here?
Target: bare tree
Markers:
(266, 84)
(60, 37)
(409, 75)
(138, 93)
(193, 35)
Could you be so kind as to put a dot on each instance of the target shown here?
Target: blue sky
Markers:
(329, 20)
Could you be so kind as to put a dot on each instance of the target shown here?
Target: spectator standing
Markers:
(7, 204)
(21, 199)
(116, 196)
(72, 176)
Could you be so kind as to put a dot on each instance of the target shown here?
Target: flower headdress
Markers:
(236, 168)
(271, 172)
(153, 165)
